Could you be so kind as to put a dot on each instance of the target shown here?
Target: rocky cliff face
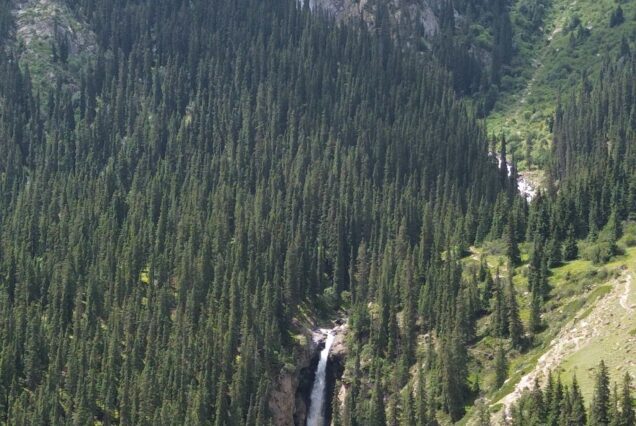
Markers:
(406, 16)
(52, 40)
(286, 404)
(289, 397)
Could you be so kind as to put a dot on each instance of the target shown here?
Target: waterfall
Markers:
(317, 403)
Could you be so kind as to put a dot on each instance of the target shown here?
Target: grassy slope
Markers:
(616, 345)
(549, 66)
(577, 288)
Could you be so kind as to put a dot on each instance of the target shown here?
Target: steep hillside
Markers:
(52, 40)
(471, 39)
(589, 314)
(588, 318)
(189, 187)
(226, 163)
(603, 328)
(572, 41)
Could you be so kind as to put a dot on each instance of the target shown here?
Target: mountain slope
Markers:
(177, 211)
(223, 164)
(574, 40)
(602, 329)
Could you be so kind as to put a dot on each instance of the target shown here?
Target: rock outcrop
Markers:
(403, 13)
(289, 397)
(286, 404)
(52, 40)
(339, 347)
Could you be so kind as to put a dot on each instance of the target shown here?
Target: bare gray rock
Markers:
(40, 20)
(402, 12)
(285, 405)
(52, 40)
(339, 347)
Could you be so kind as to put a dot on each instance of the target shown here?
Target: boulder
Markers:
(339, 347)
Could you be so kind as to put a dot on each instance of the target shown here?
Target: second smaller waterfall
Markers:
(317, 403)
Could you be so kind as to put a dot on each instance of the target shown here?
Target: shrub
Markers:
(575, 21)
(600, 252)
(630, 241)
(617, 17)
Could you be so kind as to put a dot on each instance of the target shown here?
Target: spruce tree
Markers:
(600, 407)
(407, 417)
(422, 404)
(336, 408)
(570, 246)
(628, 417)
(452, 375)
(483, 414)
(500, 312)
(617, 17)
(554, 253)
(515, 326)
(538, 406)
(535, 323)
(501, 367)
(554, 410)
(565, 407)
(376, 415)
(512, 247)
(614, 412)
(487, 293)
(578, 416)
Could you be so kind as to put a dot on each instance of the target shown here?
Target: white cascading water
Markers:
(317, 405)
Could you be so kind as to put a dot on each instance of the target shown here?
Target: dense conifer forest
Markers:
(221, 167)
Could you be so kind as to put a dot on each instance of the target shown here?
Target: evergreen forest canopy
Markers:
(223, 163)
